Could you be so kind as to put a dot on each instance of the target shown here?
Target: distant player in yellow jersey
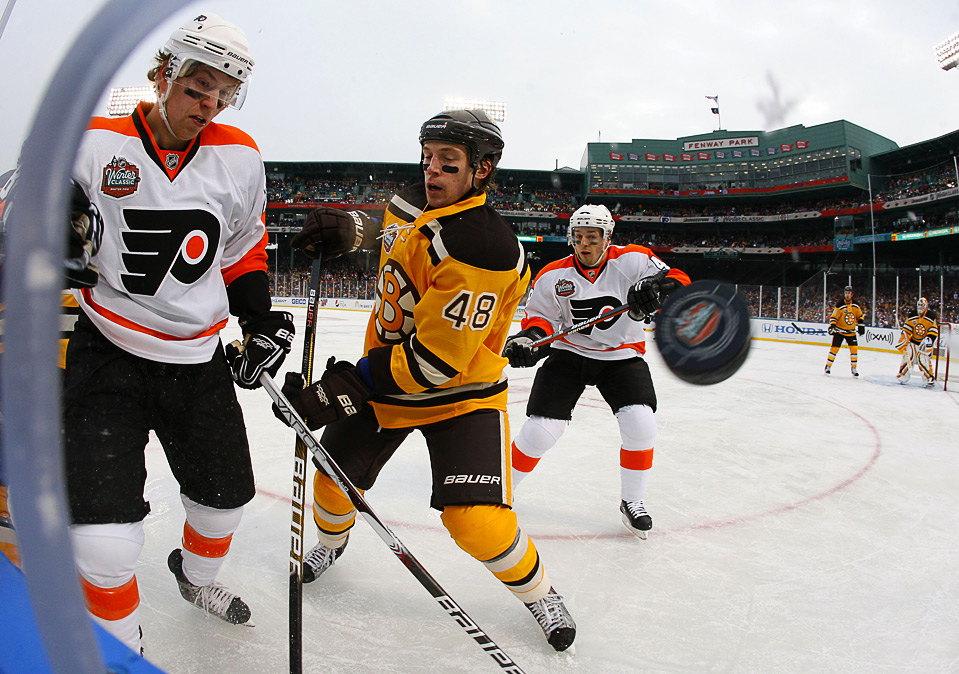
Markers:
(451, 276)
(919, 335)
(847, 319)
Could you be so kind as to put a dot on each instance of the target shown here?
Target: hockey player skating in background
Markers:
(847, 319)
(184, 246)
(919, 334)
(451, 276)
(608, 355)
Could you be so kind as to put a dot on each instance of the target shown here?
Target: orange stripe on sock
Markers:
(111, 603)
(522, 462)
(641, 460)
(198, 544)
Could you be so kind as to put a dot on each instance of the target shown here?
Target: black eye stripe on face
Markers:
(446, 168)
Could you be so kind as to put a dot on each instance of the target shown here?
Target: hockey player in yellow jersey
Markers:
(451, 276)
(847, 319)
(919, 335)
(84, 217)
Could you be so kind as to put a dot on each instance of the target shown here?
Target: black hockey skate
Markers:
(551, 614)
(319, 559)
(635, 517)
(213, 598)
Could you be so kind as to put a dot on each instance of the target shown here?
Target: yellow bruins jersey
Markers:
(846, 317)
(69, 311)
(917, 328)
(449, 282)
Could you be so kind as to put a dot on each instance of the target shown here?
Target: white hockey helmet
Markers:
(922, 305)
(213, 41)
(591, 215)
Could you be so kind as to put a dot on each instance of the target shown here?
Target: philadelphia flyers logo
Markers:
(590, 308)
(180, 244)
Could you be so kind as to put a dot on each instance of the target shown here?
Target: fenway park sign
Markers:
(720, 144)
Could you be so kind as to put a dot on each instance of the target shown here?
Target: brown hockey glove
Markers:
(267, 340)
(338, 394)
(331, 232)
(85, 235)
(517, 348)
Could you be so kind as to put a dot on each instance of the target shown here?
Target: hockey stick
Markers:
(798, 329)
(299, 486)
(402, 553)
(582, 325)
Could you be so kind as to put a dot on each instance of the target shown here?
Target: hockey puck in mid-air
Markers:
(702, 332)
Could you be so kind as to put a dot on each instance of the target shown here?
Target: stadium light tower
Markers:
(495, 109)
(947, 52)
(123, 100)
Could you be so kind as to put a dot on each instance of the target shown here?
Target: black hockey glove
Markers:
(645, 297)
(517, 348)
(331, 232)
(267, 340)
(861, 329)
(338, 394)
(831, 330)
(85, 235)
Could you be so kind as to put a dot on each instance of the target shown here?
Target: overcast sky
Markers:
(354, 80)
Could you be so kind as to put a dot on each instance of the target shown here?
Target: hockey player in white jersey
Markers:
(608, 355)
(183, 247)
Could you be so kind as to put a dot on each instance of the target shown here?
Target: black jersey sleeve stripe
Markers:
(434, 369)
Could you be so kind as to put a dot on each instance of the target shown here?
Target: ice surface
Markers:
(802, 523)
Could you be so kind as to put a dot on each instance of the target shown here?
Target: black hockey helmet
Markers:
(472, 128)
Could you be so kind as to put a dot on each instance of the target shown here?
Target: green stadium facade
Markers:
(786, 208)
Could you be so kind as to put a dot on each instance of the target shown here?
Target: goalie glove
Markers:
(267, 340)
(517, 348)
(85, 235)
(331, 232)
(340, 393)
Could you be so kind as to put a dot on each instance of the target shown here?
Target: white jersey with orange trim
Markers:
(565, 293)
(178, 228)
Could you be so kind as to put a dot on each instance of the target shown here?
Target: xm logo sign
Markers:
(872, 336)
(181, 244)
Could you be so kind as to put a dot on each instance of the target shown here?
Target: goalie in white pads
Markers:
(608, 355)
(918, 338)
